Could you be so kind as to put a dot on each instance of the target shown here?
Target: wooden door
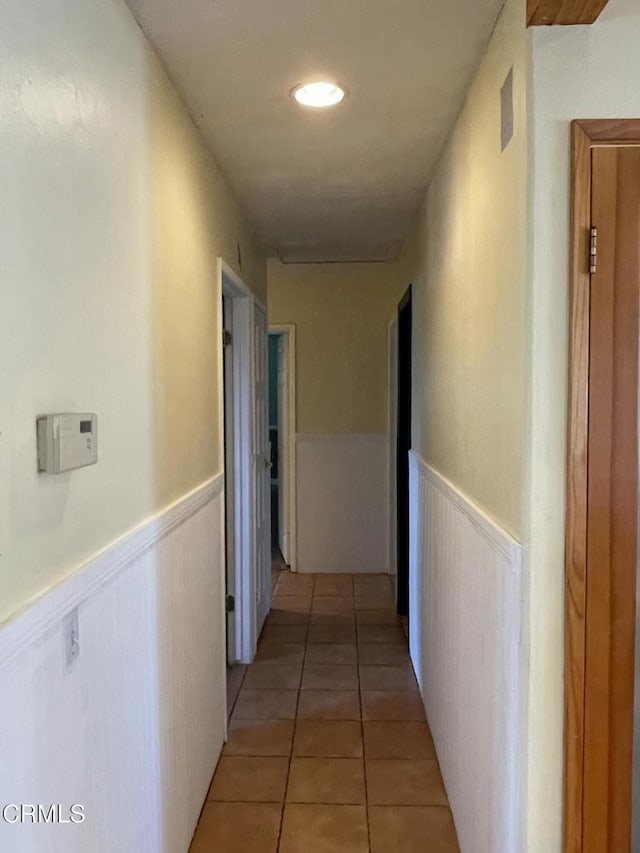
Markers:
(262, 457)
(602, 598)
(612, 509)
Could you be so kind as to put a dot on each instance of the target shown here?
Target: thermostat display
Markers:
(66, 442)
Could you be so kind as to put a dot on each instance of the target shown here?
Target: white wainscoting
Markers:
(465, 575)
(134, 729)
(342, 488)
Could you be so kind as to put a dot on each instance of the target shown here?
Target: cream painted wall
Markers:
(467, 259)
(577, 72)
(341, 312)
(112, 217)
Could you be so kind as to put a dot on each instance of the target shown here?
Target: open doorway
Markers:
(403, 446)
(282, 438)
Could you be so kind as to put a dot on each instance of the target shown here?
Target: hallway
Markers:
(329, 750)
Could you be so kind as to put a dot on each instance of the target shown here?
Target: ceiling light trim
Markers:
(319, 94)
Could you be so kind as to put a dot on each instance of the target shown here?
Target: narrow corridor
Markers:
(329, 750)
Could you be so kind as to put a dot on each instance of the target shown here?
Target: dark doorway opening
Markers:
(274, 403)
(403, 448)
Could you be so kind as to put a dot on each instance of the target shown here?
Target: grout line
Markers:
(239, 691)
(364, 750)
(295, 719)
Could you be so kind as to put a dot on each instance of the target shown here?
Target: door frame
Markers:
(586, 135)
(288, 332)
(392, 427)
(241, 507)
(403, 498)
(261, 467)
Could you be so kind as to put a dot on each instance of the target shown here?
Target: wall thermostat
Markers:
(66, 442)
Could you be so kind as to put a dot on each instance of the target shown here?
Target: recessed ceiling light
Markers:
(320, 94)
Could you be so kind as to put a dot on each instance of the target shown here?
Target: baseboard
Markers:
(133, 729)
(342, 502)
(465, 642)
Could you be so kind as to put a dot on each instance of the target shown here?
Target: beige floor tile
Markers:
(339, 654)
(260, 737)
(235, 677)
(294, 584)
(238, 828)
(382, 654)
(284, 633)
(388, 634)
(324, 829)
(295, 618)
(265, 676)
(328, 739)
(329, 705)
(386, 705)
(266, 705)
(332, 605)
(334, 585)
(396, 678)
(297, 603)
(377, 617)
(326, 780)
(392, 782)
(368, 579)
(409, 740)
(332, 632)
(378, 601)
(412, 830)
(341, 621)
(279, 615)
(280, 653)
(243, 779)
(277, 567)
(329, 677)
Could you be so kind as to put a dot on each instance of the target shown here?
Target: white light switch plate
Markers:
(71, 638)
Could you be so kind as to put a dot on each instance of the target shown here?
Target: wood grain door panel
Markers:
(612, 504)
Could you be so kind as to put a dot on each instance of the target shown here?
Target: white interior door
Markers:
(284, 437)
(262, 468)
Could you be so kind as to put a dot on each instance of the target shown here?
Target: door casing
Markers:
(392, 426)
(403, 447)
(287, 464)
(241, 503)
(261, 467)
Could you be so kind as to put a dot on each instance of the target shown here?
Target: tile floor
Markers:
(329, 750)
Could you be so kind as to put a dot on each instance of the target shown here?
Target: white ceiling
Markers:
(344, 184)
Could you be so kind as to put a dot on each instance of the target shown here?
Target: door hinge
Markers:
(226, 338)
(593, 250)
(230, 604)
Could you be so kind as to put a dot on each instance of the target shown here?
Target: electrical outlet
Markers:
(71, 638)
